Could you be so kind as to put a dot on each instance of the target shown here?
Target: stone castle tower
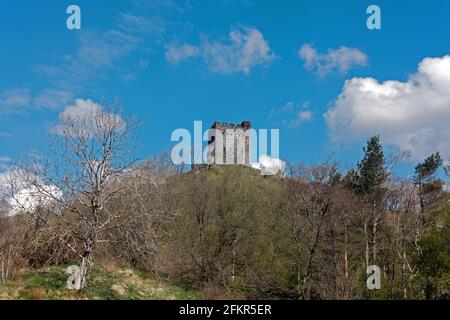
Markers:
(235, 141)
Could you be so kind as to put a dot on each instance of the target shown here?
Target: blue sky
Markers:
(173, 62)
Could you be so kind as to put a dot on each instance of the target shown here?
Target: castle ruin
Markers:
(228, 144)
(235, 143)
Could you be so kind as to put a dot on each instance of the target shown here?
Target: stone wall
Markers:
(236, 143)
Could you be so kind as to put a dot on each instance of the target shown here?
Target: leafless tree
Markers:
(151, 208)
(76, 184)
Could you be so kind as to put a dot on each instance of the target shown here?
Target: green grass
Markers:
(113, 284)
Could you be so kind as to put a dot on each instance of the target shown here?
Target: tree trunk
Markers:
(405, 296)
(84, 269)
(3, 268)
(299, 276)
(404, 283)
(374, 236)
(366, 236)
(345, 254)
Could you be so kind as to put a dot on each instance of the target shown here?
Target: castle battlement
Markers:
(245, 125)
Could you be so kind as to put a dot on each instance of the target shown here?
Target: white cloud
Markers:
(20, 100)
(245, 49)
(137, 23)
(140, 29)
(3, 186)
(287, 108)
(27, 197)
(342, 59)
(98, 52)
(301, 117)
(12, 101)
(80, 109)
(52, 99)
(292, 115)
(83, 112)
(31, 198)
(270, 166)
(413, 115)
(175, 54)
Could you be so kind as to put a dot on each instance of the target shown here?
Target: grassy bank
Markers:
(105, 284)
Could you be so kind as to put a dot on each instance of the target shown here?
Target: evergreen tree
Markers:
(372, 170)
(351, 181)
(426, 171)
(368, 182)
(428, 184)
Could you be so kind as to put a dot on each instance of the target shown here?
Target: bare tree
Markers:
(78, 182)
(151, 208)
(312, 204)
(12, 231)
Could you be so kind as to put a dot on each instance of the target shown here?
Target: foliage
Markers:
(229, 232)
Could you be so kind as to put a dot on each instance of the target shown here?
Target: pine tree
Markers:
(351, 181)
(372, 170)
(427, 170)
(368, 182)
(427, 183)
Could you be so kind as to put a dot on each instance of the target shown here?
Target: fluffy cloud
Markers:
(270, 166)
(245, 50)
(81, 109)
(84, 112)
(341, 59)
(31, 198)
(27, 197)
(413, 115)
